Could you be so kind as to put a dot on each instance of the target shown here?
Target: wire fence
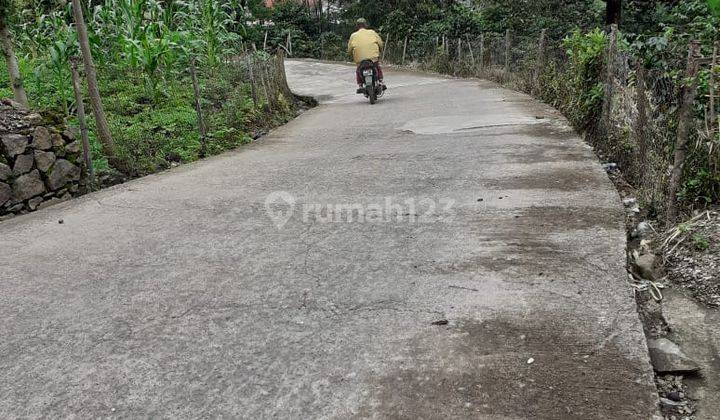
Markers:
(215, 108)
(243, 92)
(653, 122)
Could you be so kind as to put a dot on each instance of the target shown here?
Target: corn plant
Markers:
(39, 30)
(64, 47)
(210, 20)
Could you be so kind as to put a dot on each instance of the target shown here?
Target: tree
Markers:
(8, 52)
(257, 9)
(558, 17)
(614, 12)
(103, 129)
(714, 6)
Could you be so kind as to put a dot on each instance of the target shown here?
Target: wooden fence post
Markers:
(685, 114)
(458, 59)
(251, 73)
(482, 52)
(404, 50)
(642, 119)
(387, 45)
(288, 45)
(322, 47)
(80, 105)
(198, 110)
(540, 62)
(508, 50)
(711, 87)
(472, 53)
(265, 88)
(609, 78)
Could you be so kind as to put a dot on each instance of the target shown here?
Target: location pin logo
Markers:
(280, 206)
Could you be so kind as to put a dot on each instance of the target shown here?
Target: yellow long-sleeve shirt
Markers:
(365, 44)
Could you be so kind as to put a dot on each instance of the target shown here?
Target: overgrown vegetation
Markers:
(453, 38)
(143, 49)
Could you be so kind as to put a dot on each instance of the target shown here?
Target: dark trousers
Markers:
(359, 75)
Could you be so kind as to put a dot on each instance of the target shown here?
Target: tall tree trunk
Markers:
(684, 117)
(319, 5)
(12, 65)
(80, 105)
(614, 12)
(103, 129)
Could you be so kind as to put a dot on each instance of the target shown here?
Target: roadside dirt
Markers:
(684, 308)
(692, 257)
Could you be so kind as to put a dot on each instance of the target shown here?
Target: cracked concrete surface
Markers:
(176, 295)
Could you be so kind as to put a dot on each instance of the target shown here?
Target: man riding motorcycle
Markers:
(366, 44)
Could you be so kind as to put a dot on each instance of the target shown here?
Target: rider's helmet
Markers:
(361, 23)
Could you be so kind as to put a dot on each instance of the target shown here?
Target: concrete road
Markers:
(454, 251)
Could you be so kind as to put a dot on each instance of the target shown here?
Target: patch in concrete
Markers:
(461, 123)
(504, 363)
(558, 178)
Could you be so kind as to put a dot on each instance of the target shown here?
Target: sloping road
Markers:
(470, 265)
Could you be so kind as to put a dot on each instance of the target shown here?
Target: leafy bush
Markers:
(333, 47)
(525, 18)
(714, 6)
(586, 53)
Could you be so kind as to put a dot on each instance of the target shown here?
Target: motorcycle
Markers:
(372, 88)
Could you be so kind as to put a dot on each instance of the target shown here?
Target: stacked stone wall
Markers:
(40, 164)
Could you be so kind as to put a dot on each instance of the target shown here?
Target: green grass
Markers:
(151, 129)
(701, 242)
